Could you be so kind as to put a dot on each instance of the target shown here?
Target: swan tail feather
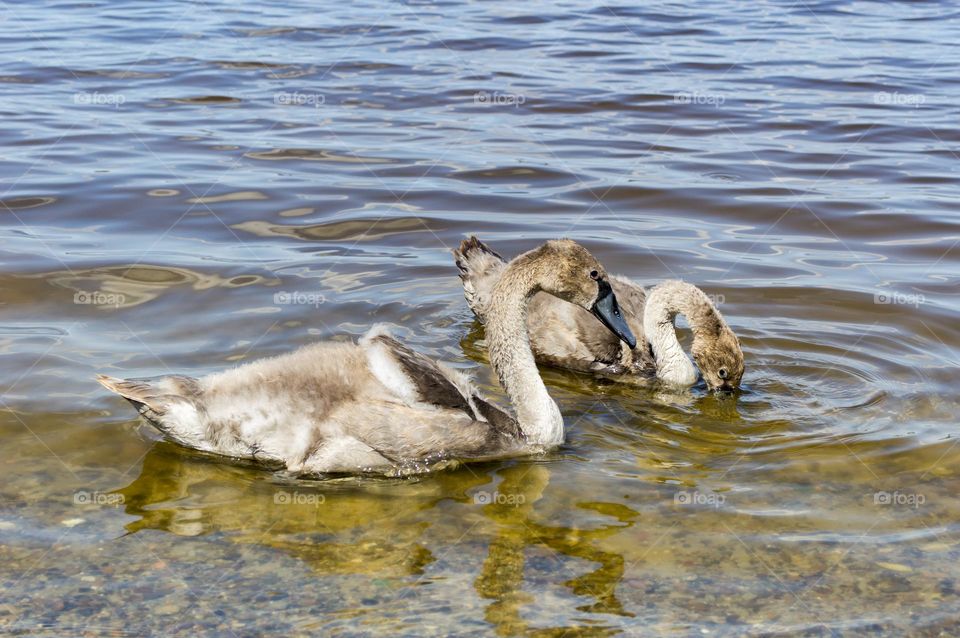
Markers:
(479, 267)
(167, 403)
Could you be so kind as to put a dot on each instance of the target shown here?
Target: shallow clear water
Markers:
(174, 174)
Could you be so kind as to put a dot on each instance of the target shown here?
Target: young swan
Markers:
(564, 336)
(379, 406)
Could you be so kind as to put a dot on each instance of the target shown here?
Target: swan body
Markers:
(565, 336)
(378, 406)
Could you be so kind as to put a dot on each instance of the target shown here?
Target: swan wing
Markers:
(419, 379)
(568, 336)
(633, 301)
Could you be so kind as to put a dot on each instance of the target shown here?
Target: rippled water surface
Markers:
(190, 185)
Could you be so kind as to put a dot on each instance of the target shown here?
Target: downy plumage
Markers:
(565, 336)
(378, 406)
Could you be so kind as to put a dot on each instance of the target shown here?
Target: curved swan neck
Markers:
(664, 303)
(510, 354)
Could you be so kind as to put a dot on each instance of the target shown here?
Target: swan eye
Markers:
(594, 275)
(722, 373)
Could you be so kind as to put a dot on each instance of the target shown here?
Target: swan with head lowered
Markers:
(565, 336)
(378, 406)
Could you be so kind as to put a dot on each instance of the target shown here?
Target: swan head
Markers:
(719, 358)
(568, 271)
(715, 350)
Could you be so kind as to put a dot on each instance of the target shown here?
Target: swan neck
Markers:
(663, 305)
(509, 345)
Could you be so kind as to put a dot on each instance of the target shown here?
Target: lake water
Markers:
(186, 186)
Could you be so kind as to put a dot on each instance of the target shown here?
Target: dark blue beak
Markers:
(607, 310)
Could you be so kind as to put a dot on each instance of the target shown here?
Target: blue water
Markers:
(174, 173)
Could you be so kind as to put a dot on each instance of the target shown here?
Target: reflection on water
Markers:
(134, 284)
(355, 229)
(187, 187)
(384, 528)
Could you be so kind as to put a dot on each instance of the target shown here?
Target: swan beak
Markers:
(607, 310)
